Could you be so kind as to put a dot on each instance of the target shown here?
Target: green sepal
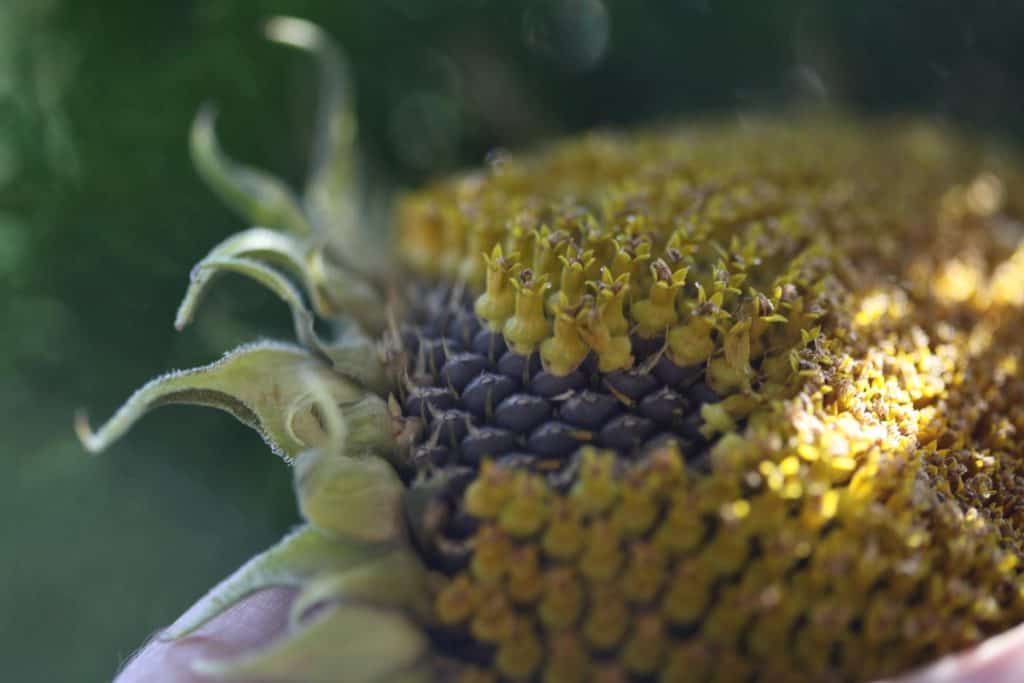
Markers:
(354, 356)
(395, 579)
(370, 427)
(333, 194)
(349, 642)
(302, 317)
(351, 498)
(300, 555)
(257, 195)
(359, 360)
(336, 197)
(265, 385)
(337, 291)
(258, 244)
(339, 286)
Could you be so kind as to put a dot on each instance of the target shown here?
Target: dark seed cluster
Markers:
(474, 398)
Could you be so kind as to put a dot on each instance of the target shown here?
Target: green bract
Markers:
(363, 601)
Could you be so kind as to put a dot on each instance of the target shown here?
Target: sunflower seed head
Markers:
(757, 449)
(735, 402)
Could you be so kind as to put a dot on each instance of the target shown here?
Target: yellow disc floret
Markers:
(498, 301)
(528, 327)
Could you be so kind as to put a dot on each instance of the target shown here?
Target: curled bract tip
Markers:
(363, 600)
(85, 434)
(266, 246)
(258, 196)
(302, 317)
(293, 31)
(260, 384)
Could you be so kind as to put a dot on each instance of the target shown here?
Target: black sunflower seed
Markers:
(548, 385)
(626, 432)
(557, 439)
(461, 368)
(518, 460)
(701, 393)
(490, 344)
(463, 328)
(519, 367)
(487, 442)
(422, 401)
(589, 409)
(451, 426)
(485, 392)
(521, 412)
(644, 347)
(431, 455)
(665, 406)
(677, 376)
(631, 384)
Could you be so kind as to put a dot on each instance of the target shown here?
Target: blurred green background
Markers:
(101, 218)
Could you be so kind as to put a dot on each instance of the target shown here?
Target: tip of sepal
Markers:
(337, 200)
(293, 31)
(258, 196)
(260, 244)
(302, 318)
(86, 436)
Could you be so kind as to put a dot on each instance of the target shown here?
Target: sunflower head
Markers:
(719, 402)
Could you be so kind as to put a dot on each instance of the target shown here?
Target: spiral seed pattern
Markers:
(732, 403)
